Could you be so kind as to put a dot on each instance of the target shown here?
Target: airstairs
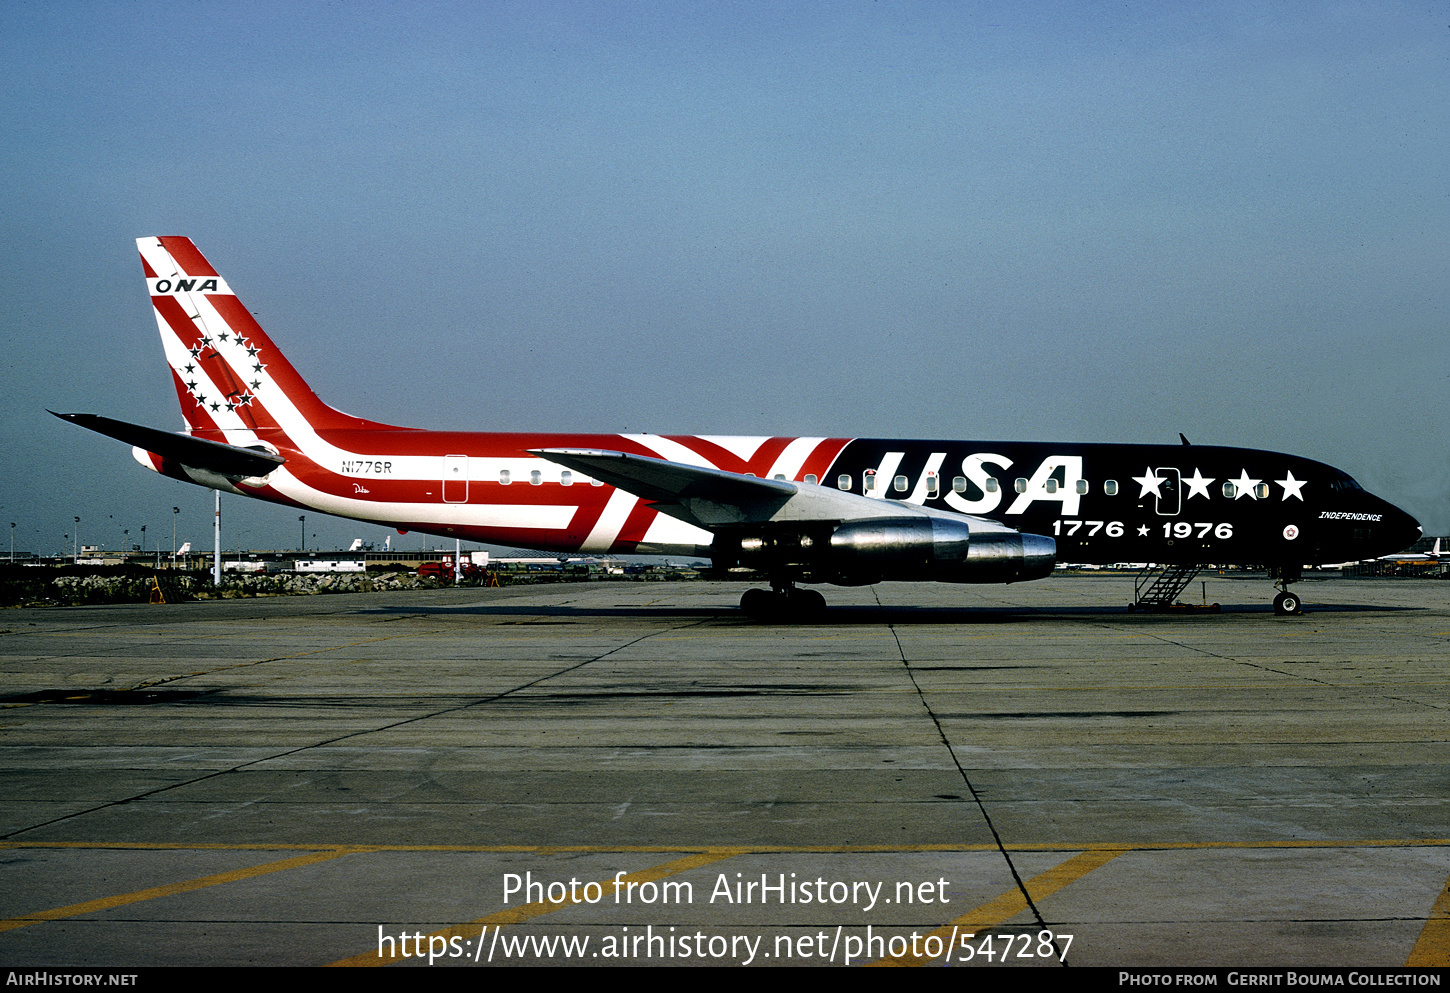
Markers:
(1157, 587)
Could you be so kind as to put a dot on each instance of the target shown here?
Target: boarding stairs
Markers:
(1157, 587)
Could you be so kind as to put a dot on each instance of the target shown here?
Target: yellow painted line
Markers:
(139, 896)
(1011, 903)
(1433, 948)
(528, 911)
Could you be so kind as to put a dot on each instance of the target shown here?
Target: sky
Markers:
(1055, 221)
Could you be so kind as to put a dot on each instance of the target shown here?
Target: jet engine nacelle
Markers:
(862, 552)
(891, 543)
(944, 550)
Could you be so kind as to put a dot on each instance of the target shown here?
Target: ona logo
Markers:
(1291, 532)
(168, 285)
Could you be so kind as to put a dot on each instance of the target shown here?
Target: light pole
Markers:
(174, 512)
(77, 555)
(303, 519)
(12, 542)
(216, 555)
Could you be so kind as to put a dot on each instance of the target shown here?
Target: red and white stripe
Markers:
(212, 341)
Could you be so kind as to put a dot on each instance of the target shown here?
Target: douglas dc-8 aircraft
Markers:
(849, 511)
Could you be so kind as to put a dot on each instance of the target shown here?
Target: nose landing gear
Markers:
(1287, 604)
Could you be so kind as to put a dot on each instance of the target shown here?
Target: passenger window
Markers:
(1081, 487)
(1110, 487)
(1020, 485)
(566, 478)
(959, 483)
(1262, 491)
(900, 483)
(992, 484)
(503, 476)
(1050, 486)
(931, 486)
(843, 481)
(811, 478)
(780, 475)
(535, 478)
(870, 481)
(596, 482)
(1230, 490)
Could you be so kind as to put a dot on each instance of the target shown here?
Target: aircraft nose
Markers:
(1405, 529)
(1401, 529)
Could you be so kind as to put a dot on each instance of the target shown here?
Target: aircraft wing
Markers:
(198, 453)
(701, 496)
(712, 498)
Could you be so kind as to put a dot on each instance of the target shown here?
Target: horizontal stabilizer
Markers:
(226, 460)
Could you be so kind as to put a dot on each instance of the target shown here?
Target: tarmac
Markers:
(634, 773)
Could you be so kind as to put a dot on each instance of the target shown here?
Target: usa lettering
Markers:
(1042, 485)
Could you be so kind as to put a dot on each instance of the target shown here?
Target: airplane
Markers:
(845, 511)
(1436, 554)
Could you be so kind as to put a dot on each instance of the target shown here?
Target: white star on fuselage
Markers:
(1150, 481)
(1244, 485)
(1198, 485)
(1292, 486)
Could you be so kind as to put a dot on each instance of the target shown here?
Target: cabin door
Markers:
(455, 479)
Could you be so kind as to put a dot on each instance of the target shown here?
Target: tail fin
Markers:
(230, 378)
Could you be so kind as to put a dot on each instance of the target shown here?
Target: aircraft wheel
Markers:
(1287, 604)
(808, 604)
(756, 603)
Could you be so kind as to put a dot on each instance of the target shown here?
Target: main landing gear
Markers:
(783, 602)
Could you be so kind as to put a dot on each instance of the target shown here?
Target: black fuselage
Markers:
(1105, 503)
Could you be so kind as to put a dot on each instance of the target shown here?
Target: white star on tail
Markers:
(1292, 486)
(1150, 481)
